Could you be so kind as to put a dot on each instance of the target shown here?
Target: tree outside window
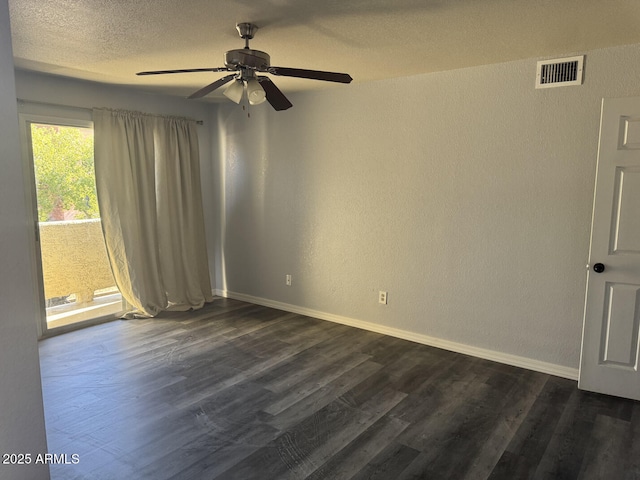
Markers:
(63, 161)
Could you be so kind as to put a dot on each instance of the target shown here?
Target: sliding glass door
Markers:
(77, 286)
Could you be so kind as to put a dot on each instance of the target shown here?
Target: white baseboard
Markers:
(505, 358)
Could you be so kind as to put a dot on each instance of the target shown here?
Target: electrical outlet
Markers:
(382, 297)
(287, 280)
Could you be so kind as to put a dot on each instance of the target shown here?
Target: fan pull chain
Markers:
(246, 98)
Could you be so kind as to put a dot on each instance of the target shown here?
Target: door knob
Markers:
(598, 267)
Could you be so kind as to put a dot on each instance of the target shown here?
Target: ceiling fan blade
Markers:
(188, 70)
(212, 86)
(274, 96)
(312, 74)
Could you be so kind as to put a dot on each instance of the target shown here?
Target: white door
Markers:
(610, 346)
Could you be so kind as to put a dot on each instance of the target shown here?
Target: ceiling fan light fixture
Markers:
(255, 92)
(234, 91)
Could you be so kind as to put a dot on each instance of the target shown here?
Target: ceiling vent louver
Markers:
(559, 72)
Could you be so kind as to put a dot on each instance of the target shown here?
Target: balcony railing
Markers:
(74, 263)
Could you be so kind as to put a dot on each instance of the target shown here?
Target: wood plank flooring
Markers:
(238, 391)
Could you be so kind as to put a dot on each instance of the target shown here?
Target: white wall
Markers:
(22, 427)
(466, 195)
(34, 87)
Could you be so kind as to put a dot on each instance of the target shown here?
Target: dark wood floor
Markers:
(237, 391)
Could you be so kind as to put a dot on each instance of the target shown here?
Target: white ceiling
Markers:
(110, 40)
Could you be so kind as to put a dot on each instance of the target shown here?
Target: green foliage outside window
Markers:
(63, 161)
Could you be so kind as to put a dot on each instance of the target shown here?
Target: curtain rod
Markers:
(49, 104)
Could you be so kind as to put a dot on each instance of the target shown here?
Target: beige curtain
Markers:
(150, 199)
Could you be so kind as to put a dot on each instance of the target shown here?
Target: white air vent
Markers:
(559, 72)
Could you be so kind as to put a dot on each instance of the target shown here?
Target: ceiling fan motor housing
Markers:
(245, 57)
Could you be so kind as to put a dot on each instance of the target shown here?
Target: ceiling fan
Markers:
(246, 64)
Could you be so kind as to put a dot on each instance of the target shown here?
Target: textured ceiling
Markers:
(110, 40)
